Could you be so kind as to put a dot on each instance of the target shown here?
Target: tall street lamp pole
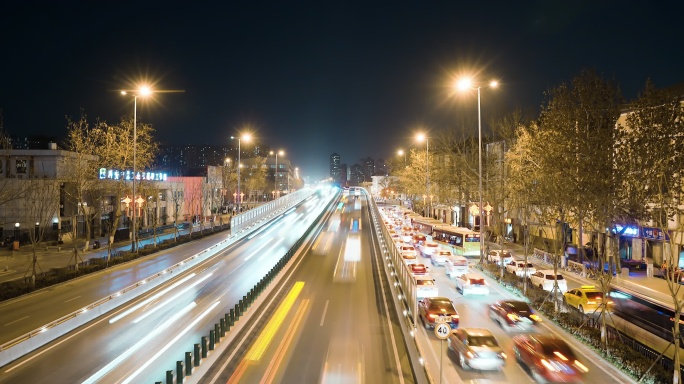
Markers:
(275, 174)
(143, 91)
(246, 137)
(420, 138)
(465, 84)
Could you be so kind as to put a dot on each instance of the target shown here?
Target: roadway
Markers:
(473, 312)
(139, 341)
(340, 324)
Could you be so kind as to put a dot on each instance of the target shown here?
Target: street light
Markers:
(420, 137)
(275, 174)
(402, 153)
(246, 137)
(464, 85)
(142, 91)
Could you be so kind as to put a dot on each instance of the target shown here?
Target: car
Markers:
(517, 267)
(440, 257)
(431, 309)
(513, 315)
(586, 299)
(495, 256)
(418, 239)
(425, 287)
(428, 248)
(472, 284)
(417, 269)
(476, 348)
(549, 358)
(456, 266)
(544, 279)
(408, 258)
(406, 234)
(407, 250)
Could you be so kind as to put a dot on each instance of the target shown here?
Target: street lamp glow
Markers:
(465, 83)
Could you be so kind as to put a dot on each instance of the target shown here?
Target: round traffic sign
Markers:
(442, 331)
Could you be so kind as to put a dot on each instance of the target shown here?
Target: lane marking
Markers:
(72, 299)
(25, 317)
(325, 310)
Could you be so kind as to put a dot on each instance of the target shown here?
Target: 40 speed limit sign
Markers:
(442, 331)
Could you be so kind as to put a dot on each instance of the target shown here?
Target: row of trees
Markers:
(589, 160)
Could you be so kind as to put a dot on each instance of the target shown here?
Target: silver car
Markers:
(476, 348)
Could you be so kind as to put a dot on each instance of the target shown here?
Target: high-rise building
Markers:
(335, 169)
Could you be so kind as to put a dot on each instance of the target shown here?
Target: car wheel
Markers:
(462, 362)
(580, 309)
(541, 287)
(516, 353)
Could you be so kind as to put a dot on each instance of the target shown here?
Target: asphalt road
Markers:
(340, 328)
(141, 340)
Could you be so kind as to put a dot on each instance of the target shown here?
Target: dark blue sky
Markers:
(356, 78)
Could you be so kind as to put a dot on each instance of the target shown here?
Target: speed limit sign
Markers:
(442, 331)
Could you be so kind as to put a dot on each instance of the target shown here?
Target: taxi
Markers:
(585, 299)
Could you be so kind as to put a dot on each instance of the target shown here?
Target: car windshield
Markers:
(550, 277)
(425, 282)
(476, 281)
(482, 341)
(460, 263)
(441, 306)
(517, 306)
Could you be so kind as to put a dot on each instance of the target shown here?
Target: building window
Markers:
(21, 167)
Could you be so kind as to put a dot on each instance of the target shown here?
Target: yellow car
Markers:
(586, 299)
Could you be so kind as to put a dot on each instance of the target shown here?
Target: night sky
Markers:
(313, 78)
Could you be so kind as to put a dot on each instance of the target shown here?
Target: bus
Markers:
(461, 241)
(425, 225)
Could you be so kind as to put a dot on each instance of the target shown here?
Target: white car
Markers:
(472, 284)
(544, 279)
(456, 266)
(428, 248)
(518, 268)
(440, 257)
(407, 250)
(425, 287)
(495, 257)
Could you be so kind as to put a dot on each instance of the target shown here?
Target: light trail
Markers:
(156, 331)
(167, 346)
(152, 298)
(174, 297)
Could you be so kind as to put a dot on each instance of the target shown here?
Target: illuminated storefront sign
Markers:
(115, 174)
(653, 234)
(630, 231)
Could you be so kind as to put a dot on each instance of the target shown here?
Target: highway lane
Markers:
(473, 311)
(142, 345)
(340, 328)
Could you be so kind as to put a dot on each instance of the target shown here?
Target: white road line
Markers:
(325, 310)
(72, 299)
(25, 317)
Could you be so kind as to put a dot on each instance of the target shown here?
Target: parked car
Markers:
(495, 256)
(456, 266)
(517, 267)
(432, 308)
(544, 279)
(472, 284)
(586, 299)
(513, 315)
(549, 359)
(476, 348)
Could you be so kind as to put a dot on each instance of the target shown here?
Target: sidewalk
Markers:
(16, 264)
(651, 286)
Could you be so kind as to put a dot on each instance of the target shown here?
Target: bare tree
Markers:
(177, 199)
(41, 204)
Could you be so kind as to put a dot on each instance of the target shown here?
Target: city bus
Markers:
(461, 241)
(425, 225)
